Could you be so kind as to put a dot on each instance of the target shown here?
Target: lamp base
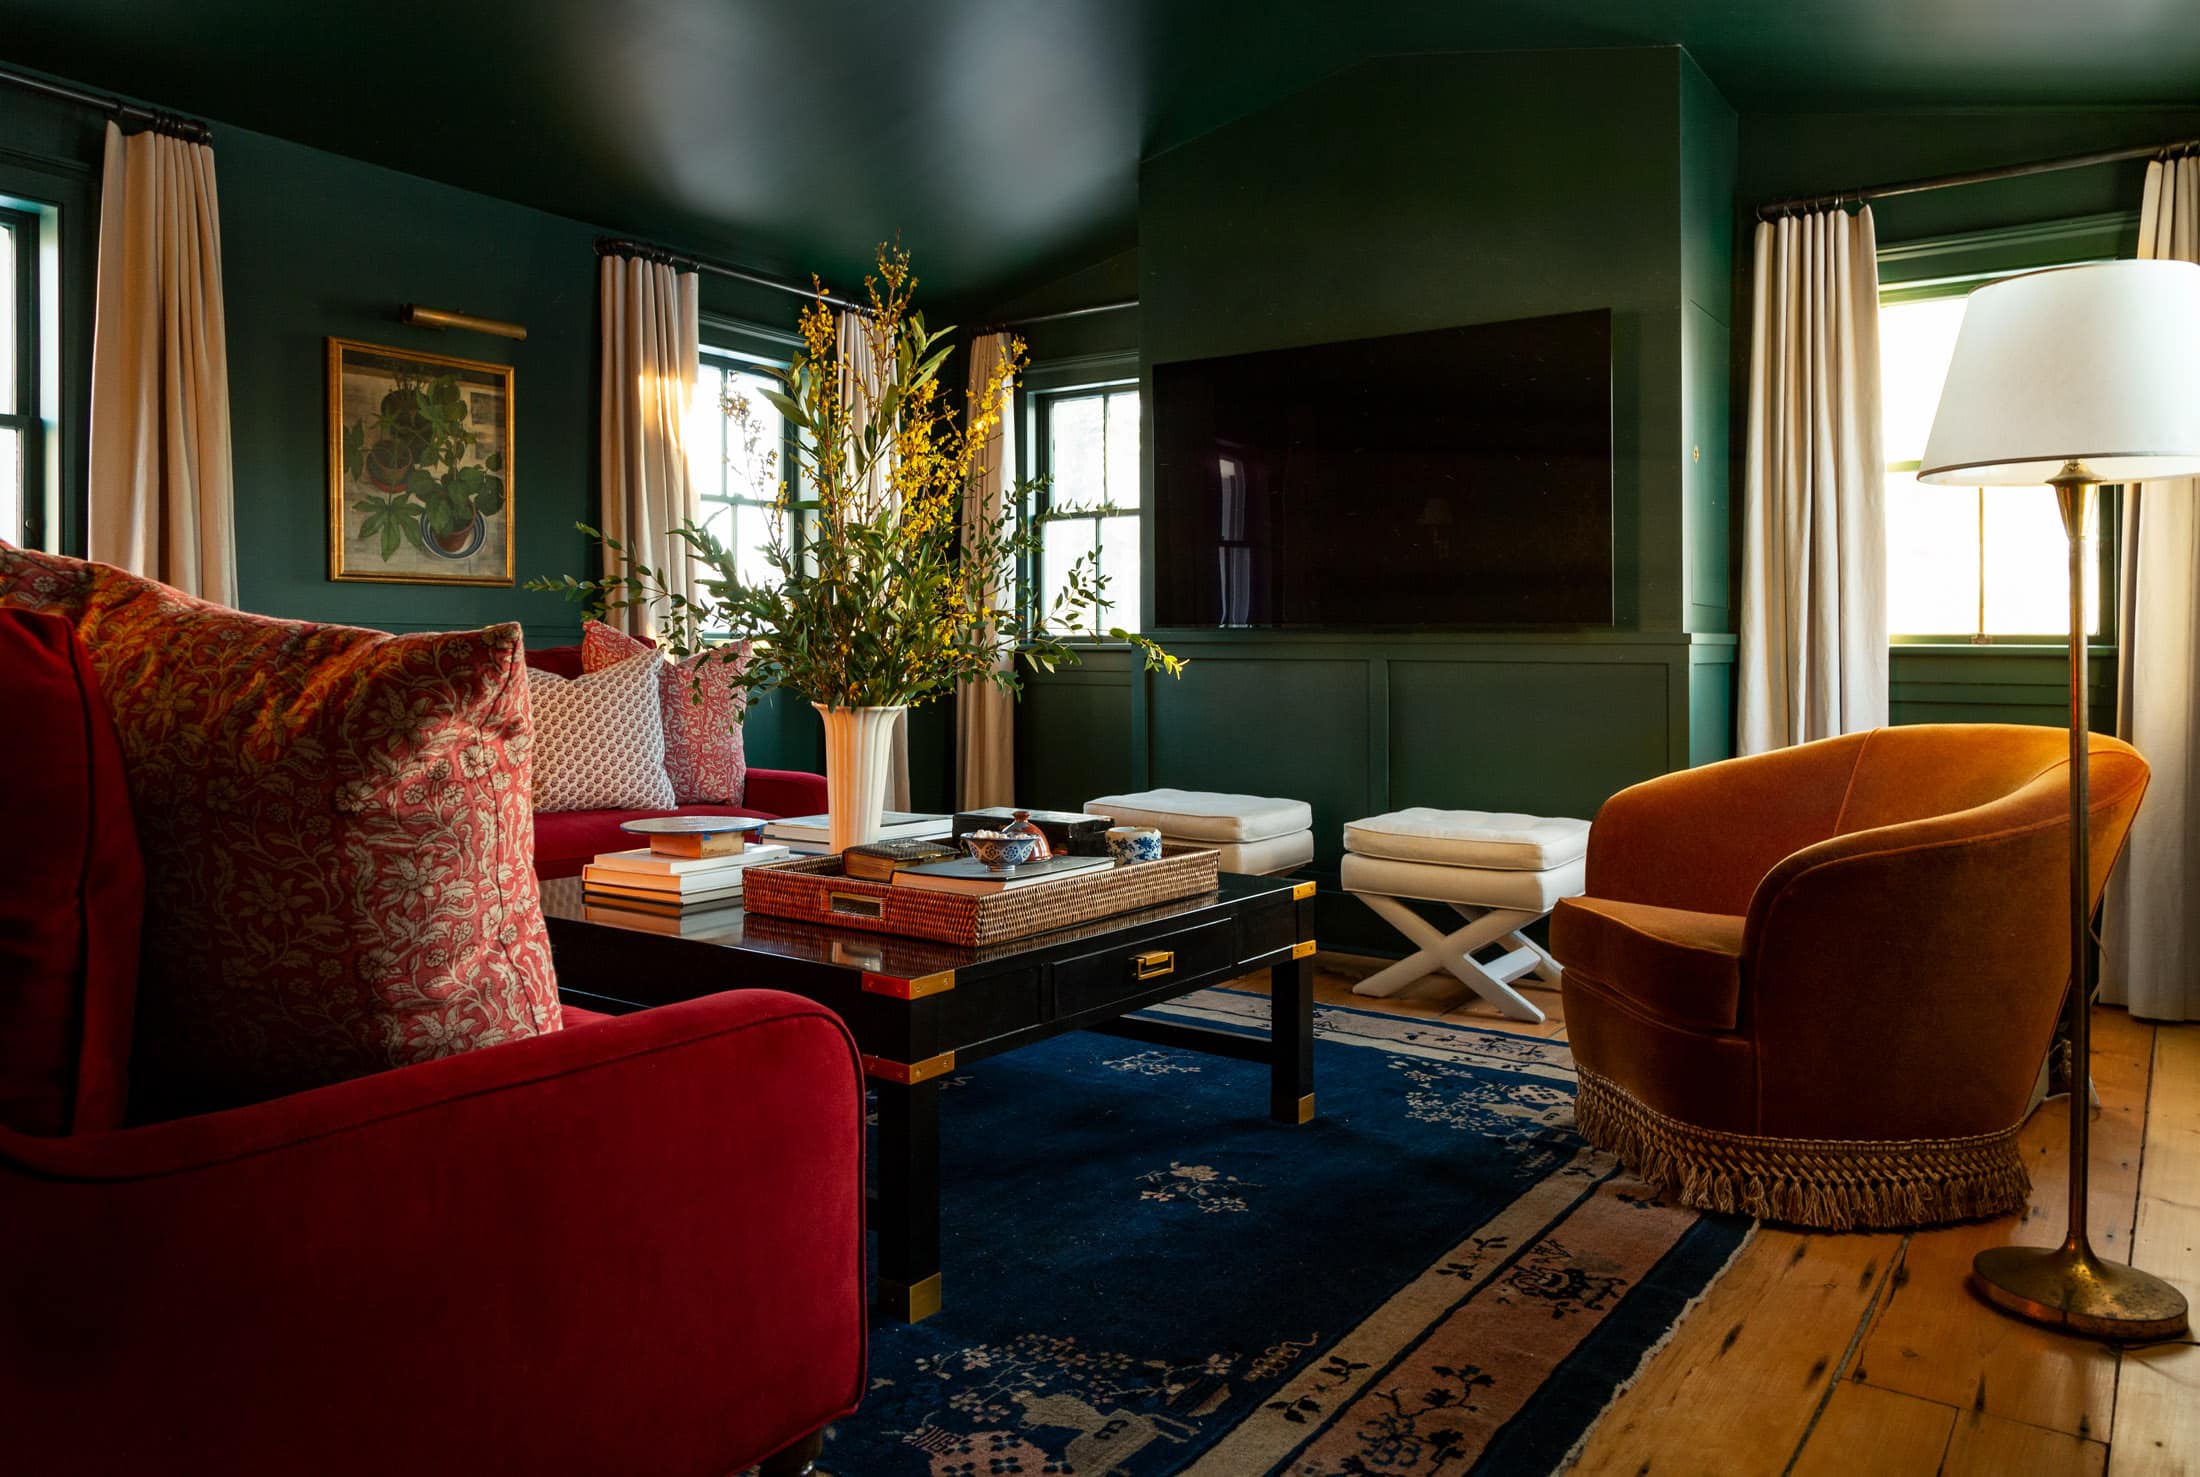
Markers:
(2069, 1288)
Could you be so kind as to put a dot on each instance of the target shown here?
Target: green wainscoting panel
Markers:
(1294, 725)
(1074, 733)
(1545, 737)
(1997, 684)
(1710, 699)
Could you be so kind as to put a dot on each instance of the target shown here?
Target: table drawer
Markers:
(1105, 976)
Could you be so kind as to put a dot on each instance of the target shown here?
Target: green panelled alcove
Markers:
(315, 245)
(1419, 192)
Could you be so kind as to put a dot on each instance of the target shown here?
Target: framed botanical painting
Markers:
(419, 467)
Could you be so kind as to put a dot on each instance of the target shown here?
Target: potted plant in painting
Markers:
(892, 595)
(414, 453)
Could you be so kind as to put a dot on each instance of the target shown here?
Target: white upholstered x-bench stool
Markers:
(1500, 872)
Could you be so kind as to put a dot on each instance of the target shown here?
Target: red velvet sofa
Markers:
(567, 839)
(631, 1245)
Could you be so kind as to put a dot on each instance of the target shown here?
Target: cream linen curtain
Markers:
(2151, 961)
(864, 372)
(1814, 552)
(161, 484)
(985, 716)
(651, 327)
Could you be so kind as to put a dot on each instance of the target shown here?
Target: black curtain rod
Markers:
(1797, 205)
(610, 246)
(1125, 305)
(173, 124)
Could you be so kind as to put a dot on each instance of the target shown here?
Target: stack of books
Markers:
(810, 835)
(653, 882)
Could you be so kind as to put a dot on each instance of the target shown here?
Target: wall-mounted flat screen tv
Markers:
(1457, 477)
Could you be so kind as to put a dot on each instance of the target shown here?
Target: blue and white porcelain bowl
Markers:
(1001, 850)
(1127, 844)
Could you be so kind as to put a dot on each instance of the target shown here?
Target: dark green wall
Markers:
(316, 245)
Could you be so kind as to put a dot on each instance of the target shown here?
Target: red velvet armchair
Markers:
(634, 1245)
(631, 1245)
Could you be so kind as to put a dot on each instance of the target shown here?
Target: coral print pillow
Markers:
(600, 738)
(703, 756)
(339, 851)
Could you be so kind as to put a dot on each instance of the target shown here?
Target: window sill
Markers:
(2098, 646)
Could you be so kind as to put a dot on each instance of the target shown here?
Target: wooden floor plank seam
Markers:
(1848, 1355)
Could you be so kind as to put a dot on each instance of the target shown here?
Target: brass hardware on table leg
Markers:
(1306, 1108)
(917, 989)
(1303, 949)
(1302, 892)
(911, 1304)
(908, 1074)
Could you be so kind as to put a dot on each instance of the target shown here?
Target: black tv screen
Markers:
(1459, 477)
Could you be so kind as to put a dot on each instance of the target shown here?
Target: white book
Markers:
(596, 889)
(895, 825)
(643, 861)
(692, 885)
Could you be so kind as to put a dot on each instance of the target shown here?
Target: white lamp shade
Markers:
(2099, 365)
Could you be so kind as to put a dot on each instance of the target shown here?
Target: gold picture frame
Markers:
(420, 485)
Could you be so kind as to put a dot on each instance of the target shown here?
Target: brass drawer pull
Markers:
(1154, 965)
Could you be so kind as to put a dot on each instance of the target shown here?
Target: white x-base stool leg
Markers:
(1454, 952)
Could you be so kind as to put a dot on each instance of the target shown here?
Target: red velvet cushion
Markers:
(339, 849)
(72, 889)
(565, 661)
(565, 839)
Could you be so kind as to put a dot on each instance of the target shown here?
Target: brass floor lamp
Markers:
(2074, 378)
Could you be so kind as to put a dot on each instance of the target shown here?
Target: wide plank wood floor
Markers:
(1868, 1354)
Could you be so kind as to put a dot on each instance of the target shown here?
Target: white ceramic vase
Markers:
(859, 745)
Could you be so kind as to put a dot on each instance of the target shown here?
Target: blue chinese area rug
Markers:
(1143, 1275)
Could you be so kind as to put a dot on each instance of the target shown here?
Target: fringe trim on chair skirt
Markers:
(1826, 1184)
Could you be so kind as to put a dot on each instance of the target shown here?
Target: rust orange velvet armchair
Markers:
(1816, 985)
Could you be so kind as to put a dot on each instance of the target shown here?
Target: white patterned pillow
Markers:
(600, 739)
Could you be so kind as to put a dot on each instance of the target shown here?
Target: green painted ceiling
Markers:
(999, 137)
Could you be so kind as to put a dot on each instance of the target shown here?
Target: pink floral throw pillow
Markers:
(703, 755)
(339, 849)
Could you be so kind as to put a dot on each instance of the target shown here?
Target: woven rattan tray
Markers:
(817, 891)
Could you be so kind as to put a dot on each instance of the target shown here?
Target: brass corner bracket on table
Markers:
(909, 1074)
(1302, 892)
(912, 1304)
(1306, 1108)
(895, 988)
(1304, 949)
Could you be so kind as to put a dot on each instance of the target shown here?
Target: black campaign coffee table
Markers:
(920, 1009)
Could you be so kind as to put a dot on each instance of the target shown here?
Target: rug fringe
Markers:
(1824, 1184)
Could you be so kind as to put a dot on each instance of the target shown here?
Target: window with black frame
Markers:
(22, 461)
(739, 463)
(1087, 451)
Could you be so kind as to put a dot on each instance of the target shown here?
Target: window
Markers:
(1087, 445)
(737, 471)
(22, 464)
(1963, 563)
